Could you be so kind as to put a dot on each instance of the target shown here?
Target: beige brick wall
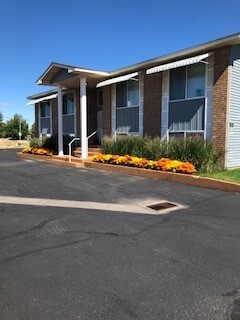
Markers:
(152, 104)
(107, 110)
(220, 99)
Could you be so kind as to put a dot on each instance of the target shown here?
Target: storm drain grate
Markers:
(162, 206)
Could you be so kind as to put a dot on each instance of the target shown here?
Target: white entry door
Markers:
(100, 126)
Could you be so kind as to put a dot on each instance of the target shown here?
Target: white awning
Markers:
(118, 79)
(52, 96)
(177, 64)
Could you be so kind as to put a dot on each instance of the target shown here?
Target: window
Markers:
(196, 81)
(187, 82)
(45, 119)
(100, 98)
(68, 114)
(127, 107)
(68, 104)
(178, 83)
(127, 94)
(45, 109)
(187, 101)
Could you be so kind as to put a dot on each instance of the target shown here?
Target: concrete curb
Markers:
(167, 176)
(145, 173)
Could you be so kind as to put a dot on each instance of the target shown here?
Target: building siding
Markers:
(233, 146)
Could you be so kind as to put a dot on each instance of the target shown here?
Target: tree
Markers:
(2, 126)
(15, 125)
(33, 130)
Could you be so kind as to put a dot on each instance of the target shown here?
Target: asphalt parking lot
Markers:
(101, 256)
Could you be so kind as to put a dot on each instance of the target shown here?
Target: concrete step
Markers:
(79, 153)
(93, 150)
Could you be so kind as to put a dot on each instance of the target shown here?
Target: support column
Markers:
(83, 105)
(60, 122)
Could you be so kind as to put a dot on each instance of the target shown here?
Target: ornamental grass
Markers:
(38, 151)
(163, 164)
(202, 154)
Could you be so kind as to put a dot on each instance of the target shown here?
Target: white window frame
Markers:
(186, 87)
(189, 99)
(132, 106)
(71, 114)
(40, 118)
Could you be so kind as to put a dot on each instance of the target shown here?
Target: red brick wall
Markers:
(220, 99)
(152, 104)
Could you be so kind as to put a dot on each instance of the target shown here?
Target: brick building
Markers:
(193, 92)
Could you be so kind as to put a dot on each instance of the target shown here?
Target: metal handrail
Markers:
(70, 148)
(92, 134)
(70, 144)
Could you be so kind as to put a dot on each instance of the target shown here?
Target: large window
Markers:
(127, 93)
(45, 109)
(45, 118)
(187, 100)
(68, 104)
(127, 107)
(68, 114)
(187, 82)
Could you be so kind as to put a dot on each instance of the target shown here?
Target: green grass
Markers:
(232, 175)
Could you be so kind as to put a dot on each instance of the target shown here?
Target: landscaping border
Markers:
(167, 176)
(193, 180)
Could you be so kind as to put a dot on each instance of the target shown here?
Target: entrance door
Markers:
(100, 126)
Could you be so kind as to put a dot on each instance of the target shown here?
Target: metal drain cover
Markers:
(162, 206)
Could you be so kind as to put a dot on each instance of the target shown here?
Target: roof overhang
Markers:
(52, 96)
(70, 74)
(117, 79)
(182, 54)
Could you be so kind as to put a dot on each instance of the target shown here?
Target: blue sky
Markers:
(101, 34)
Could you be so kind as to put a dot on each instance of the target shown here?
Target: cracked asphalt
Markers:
(67, 263)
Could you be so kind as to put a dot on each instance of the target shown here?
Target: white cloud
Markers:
(6, 104)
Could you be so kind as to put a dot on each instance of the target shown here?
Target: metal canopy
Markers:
(52, 96)
(177, 64)
(117, 79)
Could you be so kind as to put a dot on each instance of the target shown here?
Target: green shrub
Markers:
(51, 143)
(154, 148)
(202, 154)
(35, 143)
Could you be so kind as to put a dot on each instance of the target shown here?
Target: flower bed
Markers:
(38, 151)
(163, 164)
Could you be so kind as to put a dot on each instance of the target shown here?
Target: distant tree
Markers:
(15, 124)
(2, 126)
(33, 130)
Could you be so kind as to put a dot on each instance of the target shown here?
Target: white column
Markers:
(83, 105)
(60, 122)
